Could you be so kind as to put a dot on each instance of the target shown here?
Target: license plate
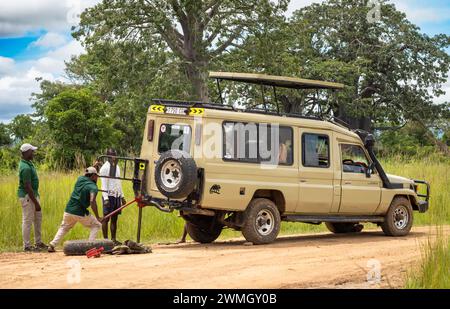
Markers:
(175, 110)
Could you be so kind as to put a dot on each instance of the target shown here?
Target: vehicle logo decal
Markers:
(215, 189)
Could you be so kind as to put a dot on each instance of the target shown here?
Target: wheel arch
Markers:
(411, 198)
(275, 196)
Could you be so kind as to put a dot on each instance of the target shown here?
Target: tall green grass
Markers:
(434, 270)
(56, 187)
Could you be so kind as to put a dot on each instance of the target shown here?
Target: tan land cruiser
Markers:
(250, 169)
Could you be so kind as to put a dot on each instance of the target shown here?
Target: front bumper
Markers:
(423, 205)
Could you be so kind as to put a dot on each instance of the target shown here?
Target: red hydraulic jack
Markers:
(94, 252)
(140, 204)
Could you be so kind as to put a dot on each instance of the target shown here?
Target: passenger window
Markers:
(281, 150)
(315, 150)
(174, 136)
(240, 142)
(252, 143)
(354, 159)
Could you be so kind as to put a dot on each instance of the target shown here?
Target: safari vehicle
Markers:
(207, 161)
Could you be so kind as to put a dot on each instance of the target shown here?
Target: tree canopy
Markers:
(138, 50)
(196, 31)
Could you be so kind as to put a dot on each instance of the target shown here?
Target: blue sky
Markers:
(35, 41)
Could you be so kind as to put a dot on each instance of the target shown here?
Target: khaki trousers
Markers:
(69, 222)
(30, 217)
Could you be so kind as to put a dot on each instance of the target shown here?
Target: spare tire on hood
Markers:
(175, 174)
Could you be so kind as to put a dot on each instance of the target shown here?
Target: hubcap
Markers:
(264, 222)
(171, 174)
(401, 217)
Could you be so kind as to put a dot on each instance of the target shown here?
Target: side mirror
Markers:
(369, 170)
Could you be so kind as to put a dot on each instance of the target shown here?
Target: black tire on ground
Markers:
(262, 221)
(79, 247)
(399, 218)
(175, 174)
(204, 230)
(342, 227)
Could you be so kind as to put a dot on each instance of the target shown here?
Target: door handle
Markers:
(302, 181)
(373, 183)
(347, 183)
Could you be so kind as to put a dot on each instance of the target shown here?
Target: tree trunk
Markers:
(197, 74)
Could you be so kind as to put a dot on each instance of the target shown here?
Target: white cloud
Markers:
(446, 96)
(18, 17)
(298, 4)
(50, 40)
(6, 65)
(419, 12)
(20, 82)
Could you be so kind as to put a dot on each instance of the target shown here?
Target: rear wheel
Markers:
(261, 222)
(399, 218)
(342, 228)
(204, 229)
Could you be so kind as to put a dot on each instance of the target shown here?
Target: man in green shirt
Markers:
(28, 193)
(84, 195)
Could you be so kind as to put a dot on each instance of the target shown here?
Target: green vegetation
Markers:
(434, 270)
(157, 226)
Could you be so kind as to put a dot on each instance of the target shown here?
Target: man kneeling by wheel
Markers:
(83, 196)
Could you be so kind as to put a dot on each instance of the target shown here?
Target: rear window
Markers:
(174, 136)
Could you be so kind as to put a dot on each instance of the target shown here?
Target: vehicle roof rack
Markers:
(178, 103)
(276, 113)
(276, 81)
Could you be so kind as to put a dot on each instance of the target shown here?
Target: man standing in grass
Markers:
(112, 194)
(84, 195)
(28, 193)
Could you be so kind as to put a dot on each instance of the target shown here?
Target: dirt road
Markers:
(305, 261)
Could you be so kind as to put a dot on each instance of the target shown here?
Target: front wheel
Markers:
(399, 218)
(262, 222)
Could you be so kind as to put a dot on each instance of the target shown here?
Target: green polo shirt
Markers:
(27, 173)
(80, 199)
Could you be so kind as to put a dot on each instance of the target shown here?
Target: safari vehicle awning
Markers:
(277, 81)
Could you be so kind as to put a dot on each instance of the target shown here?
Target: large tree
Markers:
(79, 125)
(392, 71)
(196, 31)
(21, 127)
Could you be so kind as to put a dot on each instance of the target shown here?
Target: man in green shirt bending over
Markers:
(28, 193)
(84, 195)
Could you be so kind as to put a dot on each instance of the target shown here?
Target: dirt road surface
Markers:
(303, 261)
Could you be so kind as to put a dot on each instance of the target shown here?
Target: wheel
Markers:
(262, 222)
(341, 228)
(79, 247)
(175, 174)
(204, 229)
(399, 218)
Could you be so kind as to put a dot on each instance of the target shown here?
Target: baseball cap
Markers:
(26, 147)
(91, 170)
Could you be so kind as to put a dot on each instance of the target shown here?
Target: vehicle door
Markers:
(361, 192)
(315, 172)
(171, 133)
